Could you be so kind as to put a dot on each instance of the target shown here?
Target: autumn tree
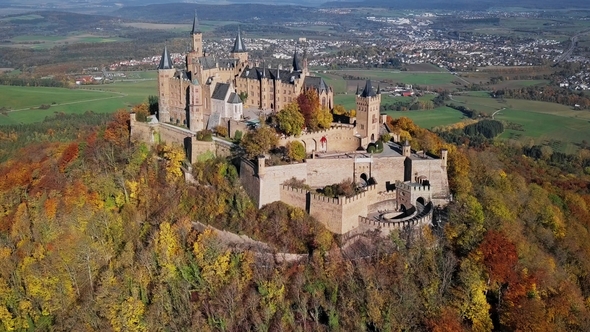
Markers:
(309, 103)
(339, 110)
(321, 119)
(260, 141)
(290, 120)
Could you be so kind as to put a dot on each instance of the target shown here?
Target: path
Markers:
(498, 111)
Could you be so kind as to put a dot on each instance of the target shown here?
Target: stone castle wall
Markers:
(250, 181)
(339, 215)
(436, 174)
(294, 197)
(339, 138)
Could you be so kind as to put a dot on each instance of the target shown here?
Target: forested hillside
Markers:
(96, 234)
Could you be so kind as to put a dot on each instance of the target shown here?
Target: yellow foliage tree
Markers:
(174, 157)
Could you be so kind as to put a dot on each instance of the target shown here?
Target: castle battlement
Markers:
(412, 187)
(296, 190)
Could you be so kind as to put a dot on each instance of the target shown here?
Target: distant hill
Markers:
(461, 4)
(183, 12)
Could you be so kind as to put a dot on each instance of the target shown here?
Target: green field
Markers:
(406, 77)
(441, 116)
(24, 102)
(540, 121)
(349, 100)
(45, 42)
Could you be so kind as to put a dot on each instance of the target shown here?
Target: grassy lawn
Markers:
(98, 98)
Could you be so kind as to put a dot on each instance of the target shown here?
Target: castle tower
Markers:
(197, 37)
(443, 157)
(368, 104)
(406, 149)
(165, 73)
(239, 51)
(296, 65)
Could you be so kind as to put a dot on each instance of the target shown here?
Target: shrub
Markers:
(371, 148)
(221, 131)
(205, 135)
(238, 135)
(295, 151)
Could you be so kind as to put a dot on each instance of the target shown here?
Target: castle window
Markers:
(362, 127)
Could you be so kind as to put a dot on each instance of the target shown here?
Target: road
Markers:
(571, 48)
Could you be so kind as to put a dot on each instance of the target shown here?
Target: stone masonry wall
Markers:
(250, 181)
(323, 172)
(387, 169)
(141, 131)
(340, 138)
(294, 197)
(435, 173)
(328, 211)
(272, 178)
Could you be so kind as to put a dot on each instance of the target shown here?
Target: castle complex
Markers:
(400, 187)
(213, 90)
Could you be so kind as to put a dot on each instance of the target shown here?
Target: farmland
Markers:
(24, 102)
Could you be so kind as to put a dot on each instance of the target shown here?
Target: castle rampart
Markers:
(338, 214)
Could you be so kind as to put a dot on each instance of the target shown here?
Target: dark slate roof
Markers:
(166, 61)
(196, 27)
(209, 62)
(317, 83)
(239, 46)
(296, 66)
(257, 73)
(234, 98)
(220, 91)
(183, 74)
(368, 90)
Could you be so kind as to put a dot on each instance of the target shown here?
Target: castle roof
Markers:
(234, 98)
(239, 46)
(209, 62)
(183, 74)
(317, 83)
(368, 90)
(220, 91)
(258, 73)
(166, 61)
(196, 27)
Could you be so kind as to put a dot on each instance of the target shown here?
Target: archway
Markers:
(372, 137)
(421, 200)
(365, 178)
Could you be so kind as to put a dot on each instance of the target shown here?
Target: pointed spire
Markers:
(296, 66)
(239, 46)
(379, 89)
(196, 27)
(406, 143)
(368, 90)
(166, 61)
(278, 77)
(358, 91)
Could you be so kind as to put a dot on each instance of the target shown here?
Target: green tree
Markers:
(259, 141)
(290, 120)
(295, 151)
